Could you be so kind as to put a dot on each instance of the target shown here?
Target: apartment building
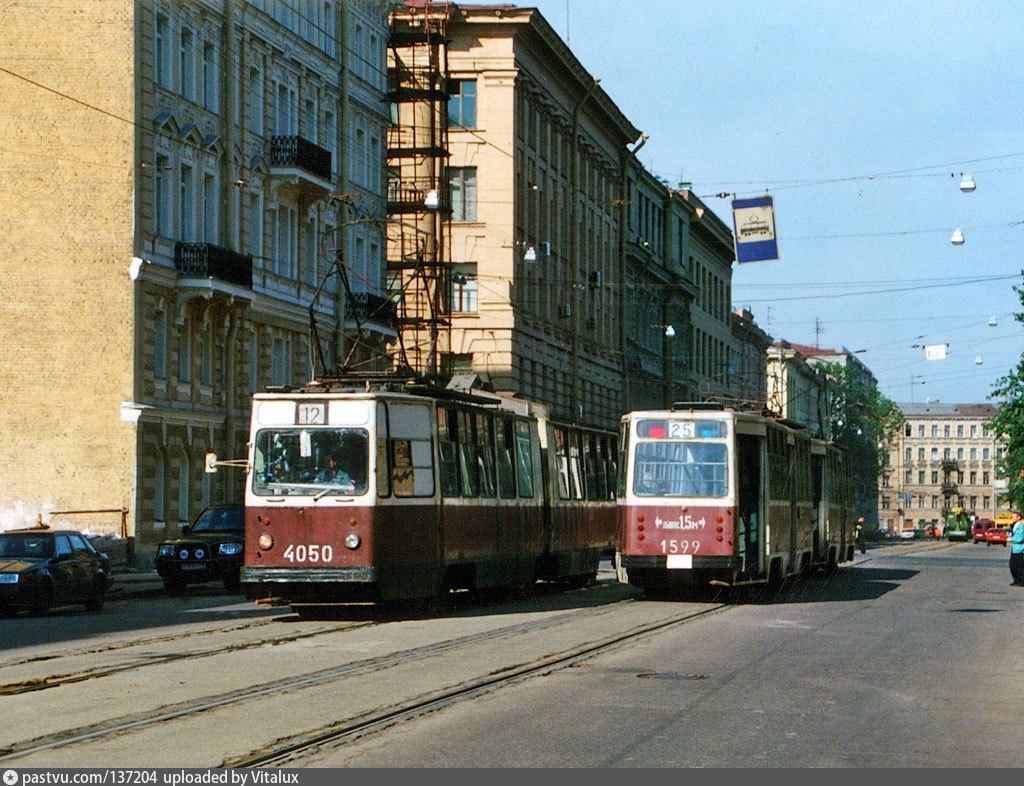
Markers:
(944, 458)
(170, 223)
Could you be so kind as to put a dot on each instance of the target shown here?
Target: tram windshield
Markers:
(311, 461)
(680, 469)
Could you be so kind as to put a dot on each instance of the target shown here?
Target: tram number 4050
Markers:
(313, 553)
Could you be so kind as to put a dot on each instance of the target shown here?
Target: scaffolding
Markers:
(418, 200)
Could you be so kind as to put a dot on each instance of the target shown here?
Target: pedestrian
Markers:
(1017, 550)
(858, 535)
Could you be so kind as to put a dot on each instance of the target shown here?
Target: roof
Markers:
(938, 409)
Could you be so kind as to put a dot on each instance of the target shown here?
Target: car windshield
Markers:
(26, 545)
(221, 520)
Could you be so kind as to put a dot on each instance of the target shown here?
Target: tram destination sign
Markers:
(753, 222)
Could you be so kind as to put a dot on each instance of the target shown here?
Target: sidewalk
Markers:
(134, 585)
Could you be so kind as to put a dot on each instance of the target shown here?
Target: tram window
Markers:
(308, 461)
(680, 469)
(412, 462)
(506, 446)
(524, 459)
(469, 471)
(591, 466)
(562, 462)
(485, 454)
(575, 474)
(383, 470)
(448, 448)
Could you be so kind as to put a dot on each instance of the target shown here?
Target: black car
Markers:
(41, 567)
(210, 550)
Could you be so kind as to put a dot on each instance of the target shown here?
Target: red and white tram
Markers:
(377, 495)
(714, 496)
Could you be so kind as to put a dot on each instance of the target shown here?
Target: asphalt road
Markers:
(900, 661)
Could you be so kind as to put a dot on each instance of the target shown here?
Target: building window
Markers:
(309, 252)
(188, 66)
(205, 356)
(464, 290)
(183, 491)
(946, 430)
(286, 226)
(463, 193)
(935, 430)
(984, 478)
(960, 430)
(974, 454)
(210, 223)
(160, 344)
(885, 502)
(935, 454)
(935, 476)
(159, 483)
(984, 454)
(254, 361)
(210, 77)
(908, 454)
(184, 352)
(281, 361)
(162, 197)
(162, 52)
(920, 430)
(935, 500)
(974, 431)
(984, 502)
(959, 454)
(906, 426)
(256, 228)
(187, 206)
(256, 101)
(974, 478)
(462, 103)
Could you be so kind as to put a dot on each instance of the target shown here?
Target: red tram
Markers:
(713, 496)
(376, 495)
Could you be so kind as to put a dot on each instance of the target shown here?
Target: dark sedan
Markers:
(40, 568)
(210, 550)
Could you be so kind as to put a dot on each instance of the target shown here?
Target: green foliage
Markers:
(862, 419)
(1008, 425)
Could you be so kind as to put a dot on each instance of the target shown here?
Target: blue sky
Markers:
(859, 119)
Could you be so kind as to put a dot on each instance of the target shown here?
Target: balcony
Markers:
(949, 487)
(303, 164)
(949, 465)
(207, 261)
(369, 308)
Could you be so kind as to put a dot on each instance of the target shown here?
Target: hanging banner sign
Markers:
(935, 352)
(753, 222)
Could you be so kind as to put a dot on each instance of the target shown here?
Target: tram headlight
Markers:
(265, 542)
(352, 540)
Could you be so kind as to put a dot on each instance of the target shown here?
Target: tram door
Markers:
(749, 501)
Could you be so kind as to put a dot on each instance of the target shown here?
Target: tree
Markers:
(864, 422)
(1008, 424)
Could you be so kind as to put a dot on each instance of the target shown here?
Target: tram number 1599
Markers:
(313, 553)
(679, 546)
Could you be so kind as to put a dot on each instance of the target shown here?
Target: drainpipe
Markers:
(575, 252)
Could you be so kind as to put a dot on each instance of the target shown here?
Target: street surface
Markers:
(896, 661)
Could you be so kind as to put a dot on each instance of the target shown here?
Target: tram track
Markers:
(31, 685)
(288, 751)
(182, 710)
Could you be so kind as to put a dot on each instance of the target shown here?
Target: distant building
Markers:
(944, 458)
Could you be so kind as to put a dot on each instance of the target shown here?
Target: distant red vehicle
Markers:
(997, 535)
(981, 526)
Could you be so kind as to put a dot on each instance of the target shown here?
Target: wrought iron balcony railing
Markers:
(369, 307)
(205, 260)
(299, 152)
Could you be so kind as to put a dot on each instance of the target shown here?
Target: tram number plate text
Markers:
(312, 553)
(679, 553)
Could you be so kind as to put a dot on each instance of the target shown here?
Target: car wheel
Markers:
(174, 585)
(99, 592)
(41, 605)
(232, 581)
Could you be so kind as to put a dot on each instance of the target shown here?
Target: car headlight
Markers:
(166, 550)
(228, 549)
